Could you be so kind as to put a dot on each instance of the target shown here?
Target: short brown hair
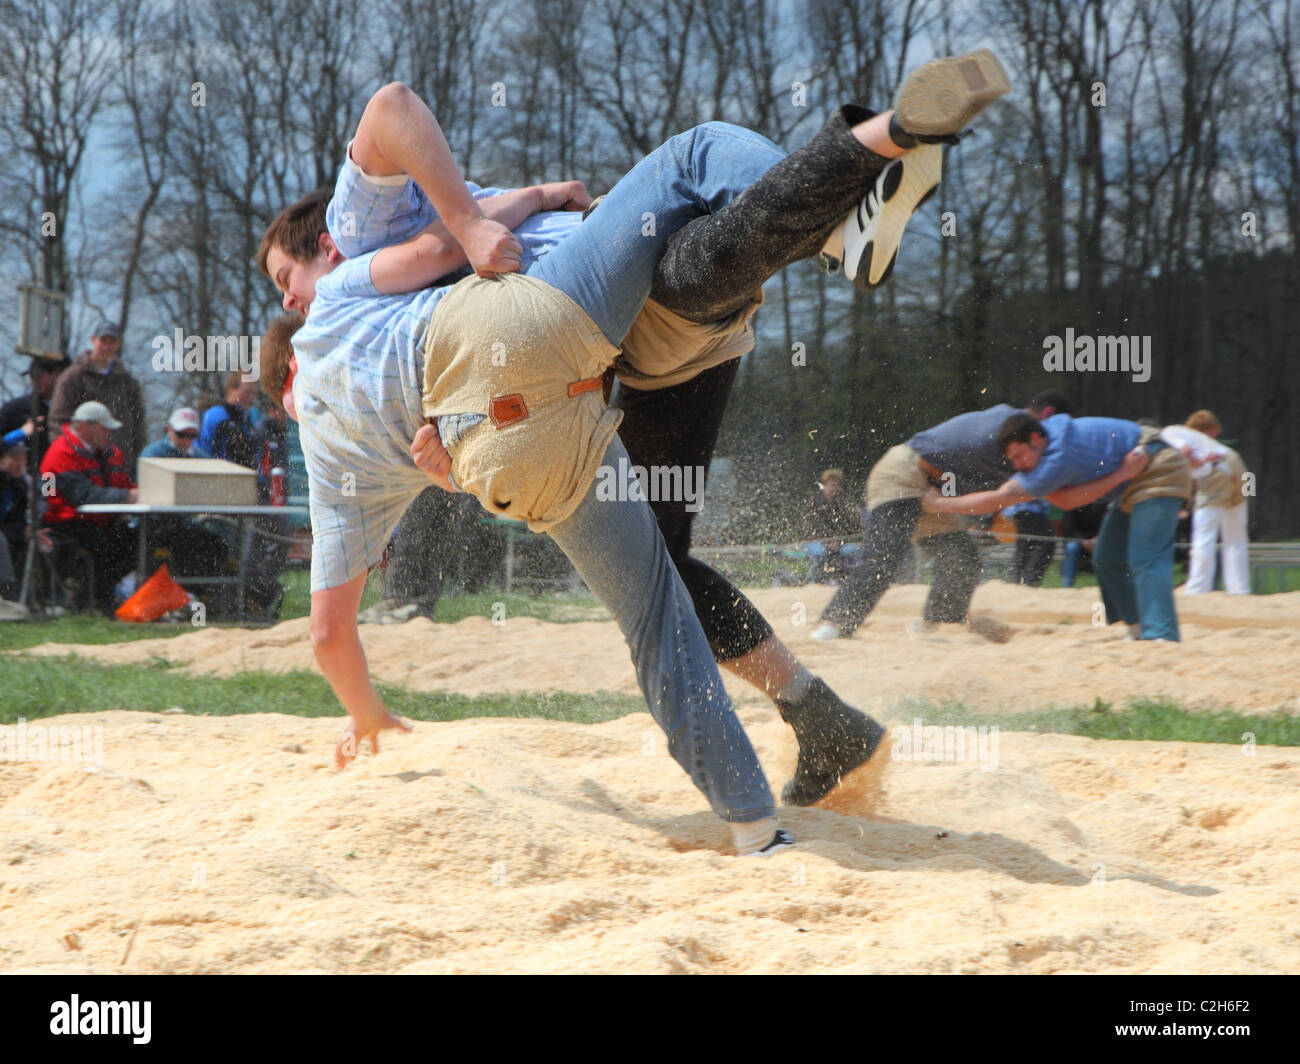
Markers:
(296, 230)
(275, 352)
(831, 474)
(1018, 428)
(1203, 421)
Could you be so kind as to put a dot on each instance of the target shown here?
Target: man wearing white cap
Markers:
(82, 467)
(181, 438)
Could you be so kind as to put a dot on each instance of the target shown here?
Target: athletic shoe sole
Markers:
(941, 97)
(781, 840)
(872, 234)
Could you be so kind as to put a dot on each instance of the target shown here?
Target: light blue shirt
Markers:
(163, 449)
(367, 213)
(357, 391)
(360, 372)
(1080, 450)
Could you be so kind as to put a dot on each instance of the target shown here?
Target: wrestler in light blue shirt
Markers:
(358, 395)
(1079, 450)
(361, 370)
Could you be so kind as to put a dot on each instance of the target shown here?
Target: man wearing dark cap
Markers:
(44, 374)
(99, 376)
(13, 517)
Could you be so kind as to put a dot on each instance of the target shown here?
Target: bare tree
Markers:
(57, 61)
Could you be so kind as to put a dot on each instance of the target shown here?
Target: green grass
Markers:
(1158, 720)
(85, 629)
(81, 629)
(44, 687)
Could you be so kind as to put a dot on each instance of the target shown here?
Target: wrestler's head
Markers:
(278, 362)
(1023, 441)
(830, 482)
(296, 251)
(1204, 421)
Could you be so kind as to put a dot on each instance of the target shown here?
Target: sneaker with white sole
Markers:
(868, 239)
(781, 840)
(827, 631)
(936, 102)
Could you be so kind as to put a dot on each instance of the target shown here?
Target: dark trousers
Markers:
(194, 550)
(267, 550)
(112, 548)
(887, 543)
(679, 427)
(1032, 555)
(712, 266)
(418, 565)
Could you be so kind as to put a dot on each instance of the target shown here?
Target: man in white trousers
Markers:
(1219, 506)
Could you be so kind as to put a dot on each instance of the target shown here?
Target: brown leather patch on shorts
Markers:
(506, 410)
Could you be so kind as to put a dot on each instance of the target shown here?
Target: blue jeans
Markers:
(1070, 563)
(618, 551)
(1134, 563)
(607, 266)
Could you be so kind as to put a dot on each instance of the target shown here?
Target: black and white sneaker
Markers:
(933, 106)
(866, 244)
(781, 840)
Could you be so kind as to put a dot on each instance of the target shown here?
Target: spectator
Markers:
(14, 489)
(1035, 541)
(227, 427)
(86, 468)
(99, 376)
(827, 522)
(180, 439)
(270, 543)
(1219, 506)
(17, 412)
(271, 449)
(194, 551)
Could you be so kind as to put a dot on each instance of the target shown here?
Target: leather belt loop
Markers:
(588, 384)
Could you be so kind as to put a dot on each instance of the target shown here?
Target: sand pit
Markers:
(231, 845)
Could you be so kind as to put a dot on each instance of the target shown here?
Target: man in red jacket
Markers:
(82, 467)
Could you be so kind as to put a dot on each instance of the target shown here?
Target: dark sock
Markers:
(712, 267)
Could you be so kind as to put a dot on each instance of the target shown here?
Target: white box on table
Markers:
(196, 482)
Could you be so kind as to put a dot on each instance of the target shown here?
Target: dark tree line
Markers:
(1143, 179)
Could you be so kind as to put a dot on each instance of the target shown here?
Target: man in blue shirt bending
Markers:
(1075, 461)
